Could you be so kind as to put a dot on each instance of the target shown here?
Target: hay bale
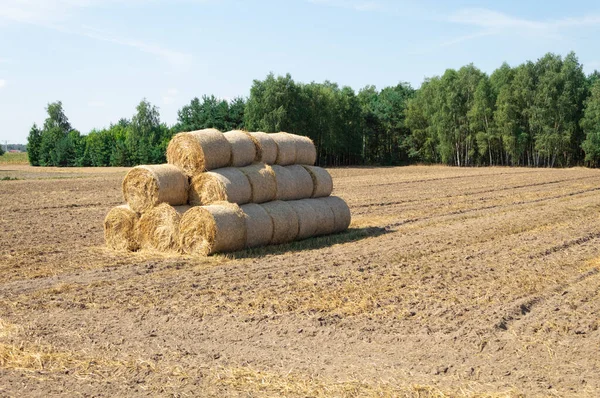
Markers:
(322, 181)
(295, 182)
(146, 186)
(262, 181)
(215, 228)
(197, 151)
(285, 221)
(266, 147)
(306, 152)
(159, 227)
(259, 225)
(286, 148)
(314, 218)
(324, 217)
(228, 184)
(120, 229)
(340, 210)
(286, 186)
(307, 218)
(243, 150)
(304, 182)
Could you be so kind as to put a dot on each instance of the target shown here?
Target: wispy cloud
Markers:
(171, 96)
(54, 14)
(494, 23)
(175, 58)
(358, 5)
(2, 83)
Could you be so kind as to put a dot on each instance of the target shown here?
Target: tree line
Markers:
(538, 114)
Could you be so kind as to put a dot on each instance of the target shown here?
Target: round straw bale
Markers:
(257, 147)
(215, 228)
(286, 185)
(243, 150)
(120, 229)
(259, 225)
(159, 227)
(262, 181)
(266, 147)
(286, 148)
(285, 221)
(228, 184)
(322, 182)
(306, 153)
(198, 151)
(325, 218)
(307, 218)
(146, 186)
(341, 212)
(303, 180)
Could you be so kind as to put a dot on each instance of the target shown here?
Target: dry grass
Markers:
(14, 158)
(474, 282)
(267, 384)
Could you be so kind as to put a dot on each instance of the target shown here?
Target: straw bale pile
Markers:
(223, 192)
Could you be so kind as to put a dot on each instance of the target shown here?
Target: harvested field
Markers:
(480, 282)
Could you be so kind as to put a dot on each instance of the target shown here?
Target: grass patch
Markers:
(7, 178)
(14, 158)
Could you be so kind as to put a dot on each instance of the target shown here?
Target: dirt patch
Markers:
(450, 282)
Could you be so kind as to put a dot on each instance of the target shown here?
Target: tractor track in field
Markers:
(467, 281)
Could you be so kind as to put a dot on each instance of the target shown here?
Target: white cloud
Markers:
(495, 22)
(2, 83)
(175, 58)
(52, 14)
(171, 96)
(358, 5)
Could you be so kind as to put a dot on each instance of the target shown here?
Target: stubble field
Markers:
(450, 282)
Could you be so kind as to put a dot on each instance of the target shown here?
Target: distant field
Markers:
(477, 282)
(14, 158)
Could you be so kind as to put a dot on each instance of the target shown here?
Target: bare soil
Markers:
(450, 282)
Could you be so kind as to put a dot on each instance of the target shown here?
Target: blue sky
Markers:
(101, 57)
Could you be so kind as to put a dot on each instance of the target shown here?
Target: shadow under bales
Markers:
(350, 235)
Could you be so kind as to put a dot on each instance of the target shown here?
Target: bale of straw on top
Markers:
(285, 221)
(197, 151)
(120, 229)
(159, 227)
(259, 225)
(322, 181)
(293, 182)
(340, 210)
(306, 152)
(266, 148)
(243, 149)
(262, 181)
(146, 186)
(215, 228)
(228, 184)
(286, 148)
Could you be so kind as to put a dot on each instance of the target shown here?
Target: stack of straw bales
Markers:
(223, 192)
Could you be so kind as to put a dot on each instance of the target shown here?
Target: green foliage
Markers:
(211, 113)
(539, 114)
(590, 123)
(34, 142)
